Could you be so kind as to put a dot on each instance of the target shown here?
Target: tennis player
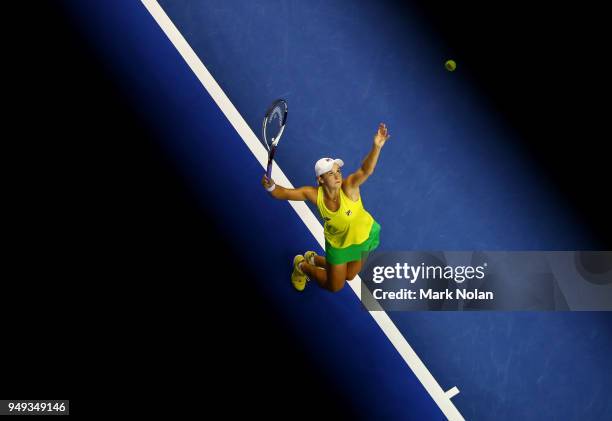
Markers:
(350, 231)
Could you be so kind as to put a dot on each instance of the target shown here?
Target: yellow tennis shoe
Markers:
(309, 256)
(298, 278)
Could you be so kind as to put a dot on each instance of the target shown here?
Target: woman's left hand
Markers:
(381, 136)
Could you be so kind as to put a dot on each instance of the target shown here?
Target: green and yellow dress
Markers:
(349, 232)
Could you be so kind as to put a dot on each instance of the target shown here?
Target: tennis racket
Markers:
(273, 127)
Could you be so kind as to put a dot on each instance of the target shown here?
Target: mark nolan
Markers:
(429, 294)
(460, 294)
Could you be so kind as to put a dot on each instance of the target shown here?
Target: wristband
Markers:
(272, 187)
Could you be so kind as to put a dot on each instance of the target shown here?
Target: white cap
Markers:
(324, 165)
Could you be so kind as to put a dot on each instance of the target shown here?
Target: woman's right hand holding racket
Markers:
(267, 182)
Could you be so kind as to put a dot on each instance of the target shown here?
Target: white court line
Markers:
(452, 392)
(441, 398)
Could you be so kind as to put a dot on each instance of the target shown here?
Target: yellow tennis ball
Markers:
(450, 65)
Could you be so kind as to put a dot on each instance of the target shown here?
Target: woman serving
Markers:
(350, 231)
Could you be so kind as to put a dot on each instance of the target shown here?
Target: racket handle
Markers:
(270, 159)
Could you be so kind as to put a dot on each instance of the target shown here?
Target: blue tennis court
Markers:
(450, 178)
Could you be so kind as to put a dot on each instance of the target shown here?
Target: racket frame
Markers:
(274, 141)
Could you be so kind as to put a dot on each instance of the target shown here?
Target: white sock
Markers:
(300, 268)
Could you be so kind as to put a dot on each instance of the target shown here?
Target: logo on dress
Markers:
(348, 212)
